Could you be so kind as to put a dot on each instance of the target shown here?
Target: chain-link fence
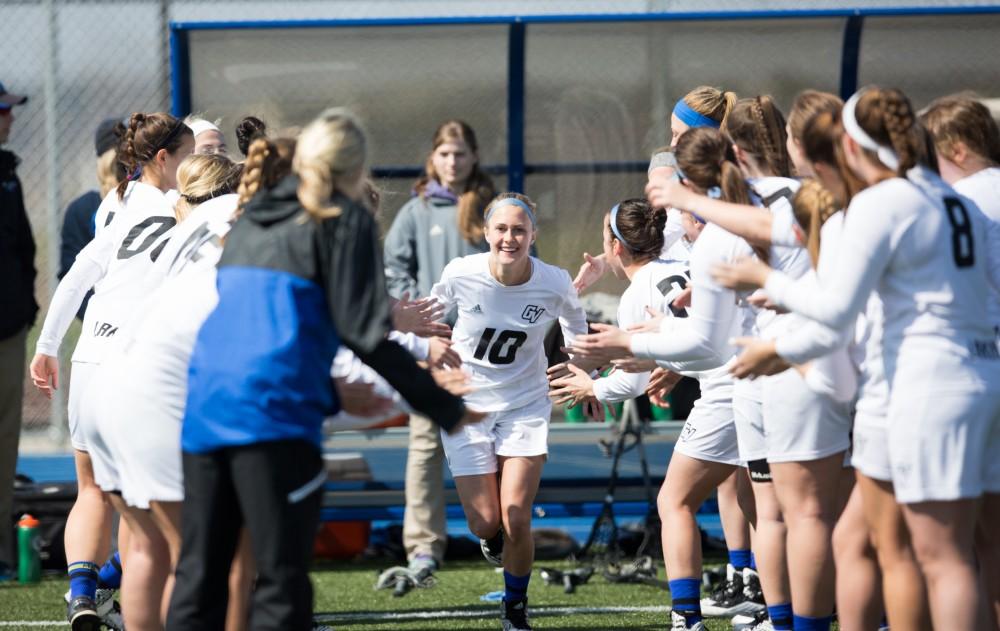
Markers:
(592, 92)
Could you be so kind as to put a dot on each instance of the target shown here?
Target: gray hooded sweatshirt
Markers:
(423, 239)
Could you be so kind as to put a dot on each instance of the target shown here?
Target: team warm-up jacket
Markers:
(291, 290)
(17, 253)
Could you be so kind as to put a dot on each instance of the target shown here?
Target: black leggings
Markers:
(275, 488)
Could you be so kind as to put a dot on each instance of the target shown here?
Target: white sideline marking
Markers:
(413, 615)
(481, 613)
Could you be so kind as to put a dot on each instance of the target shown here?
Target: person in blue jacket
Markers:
(301, 273)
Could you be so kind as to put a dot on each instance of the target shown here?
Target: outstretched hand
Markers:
(359, 398)
(609, 343)
(759, 358)
(745, 274)
(665, 191)
(573, 388)
(591, 271)
(419, 317)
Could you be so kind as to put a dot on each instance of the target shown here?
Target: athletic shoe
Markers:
(422, 563)
(730, 598)
(82, 614)
(514, 615)
(757, 622)
(679, 623)
(104, 600)
(493, 549)
(751, 587)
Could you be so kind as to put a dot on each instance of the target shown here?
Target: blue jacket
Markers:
(291, 290)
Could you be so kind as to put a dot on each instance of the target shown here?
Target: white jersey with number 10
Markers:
(500, 331)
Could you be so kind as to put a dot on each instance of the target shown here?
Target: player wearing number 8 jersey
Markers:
(921, 247)
(506, 301)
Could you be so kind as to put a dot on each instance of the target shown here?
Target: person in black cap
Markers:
(79, 221)
(17, 266)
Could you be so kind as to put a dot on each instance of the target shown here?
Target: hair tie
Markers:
(886, 155)
(715, 192)
(691, 118)
(511, 201)
(135, 175)
(614, 226)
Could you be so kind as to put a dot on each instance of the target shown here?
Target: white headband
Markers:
(886, 155)
(199, 126)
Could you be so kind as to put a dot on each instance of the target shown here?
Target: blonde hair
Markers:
(499, 199)
(711, 102)
(200, 177)
(109, 172)
(268, 161)
(331, 152)
(812, 205)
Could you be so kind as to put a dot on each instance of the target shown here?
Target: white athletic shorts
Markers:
(79, 377)
(749, 420)
(523, 431)
(709, 434)
(801, 425)
(94, 402)
(944, 444)
(869, 448)
(144, 426)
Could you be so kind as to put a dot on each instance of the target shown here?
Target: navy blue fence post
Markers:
(515, 108)
(180, 72)
(850, 56)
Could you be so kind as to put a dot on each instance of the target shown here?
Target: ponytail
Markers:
(268, 161)
(144, 137)
(757, 127)
(812, 206)
(331, 153)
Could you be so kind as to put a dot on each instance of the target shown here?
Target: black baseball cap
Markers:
(8, 100)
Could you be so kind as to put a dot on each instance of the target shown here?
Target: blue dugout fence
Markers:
(517, 167)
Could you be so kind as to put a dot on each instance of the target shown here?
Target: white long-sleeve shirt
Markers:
(500, 330)
(925, 259)
(983, 187)
(119, 265)
(700, 341)
(655, 285)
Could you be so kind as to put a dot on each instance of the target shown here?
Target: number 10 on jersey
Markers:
(503, 349)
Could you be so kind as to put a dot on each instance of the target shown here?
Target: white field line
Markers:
(480, 613)
(413, 615)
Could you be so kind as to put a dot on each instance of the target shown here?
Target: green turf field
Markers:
(346, 600)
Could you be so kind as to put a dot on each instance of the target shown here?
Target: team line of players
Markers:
(877, 315)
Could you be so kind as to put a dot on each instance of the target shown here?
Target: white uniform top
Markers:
(983, 187)
(675, 247)
(832, 374)
(866, 353)
(655, 285)
(700, 341)
(166, 324)
(118, 264)
(500, 330)
(919, 246)
(786, 252)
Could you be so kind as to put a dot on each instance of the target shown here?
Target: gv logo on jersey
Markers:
(531, 313)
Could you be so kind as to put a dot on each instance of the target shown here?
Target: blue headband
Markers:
(692, 118)
(511, 201)
(614, 226)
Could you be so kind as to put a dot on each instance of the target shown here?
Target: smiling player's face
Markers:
(510, 234)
